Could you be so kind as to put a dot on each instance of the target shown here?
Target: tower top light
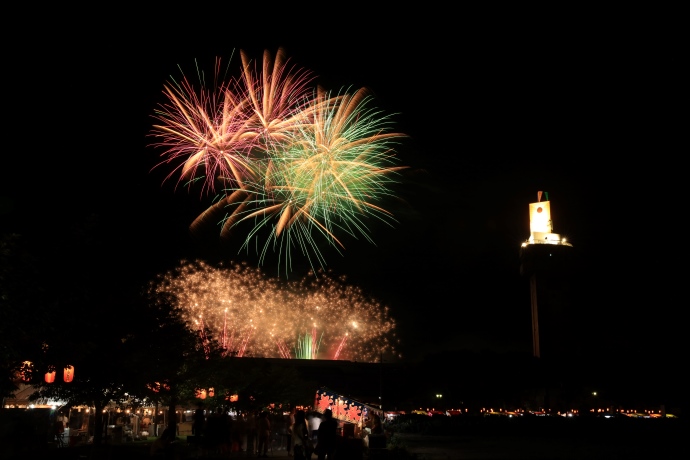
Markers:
(540, 223)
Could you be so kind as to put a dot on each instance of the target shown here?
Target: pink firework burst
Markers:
(214, 134)
(200, 129)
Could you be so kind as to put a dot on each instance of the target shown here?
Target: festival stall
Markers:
(353, 415)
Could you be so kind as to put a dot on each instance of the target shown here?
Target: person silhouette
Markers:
(252, 432)
(327, 437)
(264, 433)
(301, 444)
(290, 427)
(198, 420)
(376, 426)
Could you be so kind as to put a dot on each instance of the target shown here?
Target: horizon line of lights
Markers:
(647, 413)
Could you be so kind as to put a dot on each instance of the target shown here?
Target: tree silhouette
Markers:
(22, 295)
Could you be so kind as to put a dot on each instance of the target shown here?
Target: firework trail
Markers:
(252, 315)
(294, 165)
(308, 346)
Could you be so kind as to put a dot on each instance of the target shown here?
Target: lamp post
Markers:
(381, 383)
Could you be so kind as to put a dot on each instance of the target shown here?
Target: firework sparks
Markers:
(325, 179)
(296, 165)
(200, 129)
(274, 98)
(215, 131)
(252, 315)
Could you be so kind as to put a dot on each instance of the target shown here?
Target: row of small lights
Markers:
(522, 411)
(518, 411)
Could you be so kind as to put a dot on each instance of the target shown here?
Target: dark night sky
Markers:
(496, 108)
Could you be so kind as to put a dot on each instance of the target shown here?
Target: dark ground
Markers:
(558, 439)
(476, 439)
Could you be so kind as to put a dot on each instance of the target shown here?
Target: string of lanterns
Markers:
(67, 375)
(202, 393)
(49, 377)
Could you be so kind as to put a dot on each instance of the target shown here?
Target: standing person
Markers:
(301, 443)
(225, 432)
(238, 433)
(328, 436)
(252, 432)
(198, 421)
(290, 427)
(377, 426)
(377, 437)
(213, 432)
(313, 422)
(58, 430)
(264, 432)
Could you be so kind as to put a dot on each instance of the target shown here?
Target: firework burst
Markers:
(212, 130)
(294, 165)
(252, 315)
(200, 130)
(324, 179)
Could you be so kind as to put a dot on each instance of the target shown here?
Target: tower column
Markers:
(535, 315)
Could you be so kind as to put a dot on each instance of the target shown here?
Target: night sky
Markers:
(495, 110)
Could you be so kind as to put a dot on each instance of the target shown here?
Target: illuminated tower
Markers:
(546, 259)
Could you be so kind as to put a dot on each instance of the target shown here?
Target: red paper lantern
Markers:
(26, 370)
(50, 377)
(68, 375)
(201, 394)
(211, 392)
